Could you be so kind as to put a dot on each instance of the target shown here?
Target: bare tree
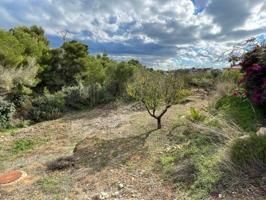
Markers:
(64, 35)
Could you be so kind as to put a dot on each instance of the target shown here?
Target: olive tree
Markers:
(158, 91)
(12, 78)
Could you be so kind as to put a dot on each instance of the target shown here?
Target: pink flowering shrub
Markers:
(254, 80)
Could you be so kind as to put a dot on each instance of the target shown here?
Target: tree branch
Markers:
(164, 111)
(148, 109)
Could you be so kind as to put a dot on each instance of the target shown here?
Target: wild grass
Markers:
(22, 145)
(195, 160)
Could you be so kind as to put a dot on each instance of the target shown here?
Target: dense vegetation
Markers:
(39, 83)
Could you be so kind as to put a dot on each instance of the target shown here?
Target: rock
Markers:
(104, 195)
(261, 132)
(220, 196)
(120, 186)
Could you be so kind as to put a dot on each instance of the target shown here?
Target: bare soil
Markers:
(110, 152)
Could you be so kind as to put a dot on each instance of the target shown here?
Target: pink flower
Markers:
(256, 67)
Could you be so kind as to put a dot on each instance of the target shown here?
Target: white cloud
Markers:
(158, 32)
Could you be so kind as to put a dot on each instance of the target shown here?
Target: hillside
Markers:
(118, 155)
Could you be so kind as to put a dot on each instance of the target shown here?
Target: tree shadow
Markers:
(96, 153)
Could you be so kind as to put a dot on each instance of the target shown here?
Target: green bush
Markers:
(249, 152)
(7, 111)
(241, 111)
(47, 107)
(78, 97)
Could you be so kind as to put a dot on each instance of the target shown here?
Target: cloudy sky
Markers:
(160, 33)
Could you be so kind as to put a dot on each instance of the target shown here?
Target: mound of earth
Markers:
(98, 153)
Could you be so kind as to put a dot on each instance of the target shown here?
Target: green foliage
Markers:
(47, 107)
(193, 161)
(118, 76)
(10, 50)
(167, 161)
(16, 82)
(158, 91)
(195, 115)
(203, 79)
(22, 145)
(241, 111)
(32, 39)
(64, 66)
(48, 184)
(7, 111)
(231, 76)
(95, 72)
(78, 97)
(249, 152)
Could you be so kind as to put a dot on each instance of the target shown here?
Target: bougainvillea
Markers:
(254, 80)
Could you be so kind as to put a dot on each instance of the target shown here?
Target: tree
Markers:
(158, 91)
(10, 50)
(22, 78)
(32, 39)
(118, 76)
(64, 66)
(94, 73)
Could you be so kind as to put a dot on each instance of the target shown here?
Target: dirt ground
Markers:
(124, 169)
(133, 178)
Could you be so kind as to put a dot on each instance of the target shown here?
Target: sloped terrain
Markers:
(110, 152)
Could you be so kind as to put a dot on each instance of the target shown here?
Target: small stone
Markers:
(120, 186)
(104, 195)
(220, 196)
(261, 132)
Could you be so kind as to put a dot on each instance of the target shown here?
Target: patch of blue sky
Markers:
(200, 6)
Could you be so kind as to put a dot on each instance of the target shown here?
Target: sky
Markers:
(161, 34)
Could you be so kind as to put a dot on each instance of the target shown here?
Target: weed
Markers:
(167, 160)
(49, 184)
(22, 145)
(195, 115)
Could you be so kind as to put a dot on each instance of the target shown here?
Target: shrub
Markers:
(239, 110)
(7, 111)
(78, 97)
(249, 152)
(254, 66)
(47, 107)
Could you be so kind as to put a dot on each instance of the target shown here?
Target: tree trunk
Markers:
(159, 123)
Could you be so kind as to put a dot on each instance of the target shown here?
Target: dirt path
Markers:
(133, 178)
